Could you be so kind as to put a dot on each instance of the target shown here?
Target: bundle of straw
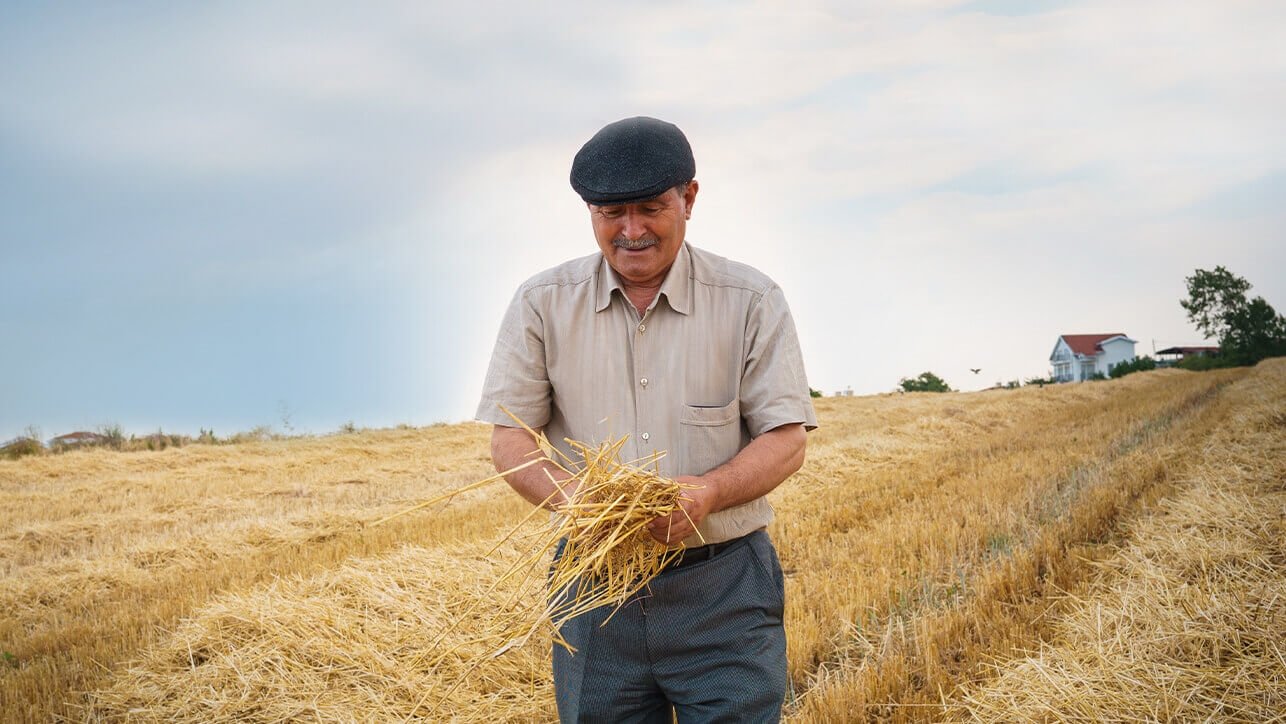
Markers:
(607, 555)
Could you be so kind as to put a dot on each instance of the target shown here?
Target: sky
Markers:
(299, 215)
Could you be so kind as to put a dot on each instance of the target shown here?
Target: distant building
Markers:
(1078, 357)
(74, 439)
(1171, 355)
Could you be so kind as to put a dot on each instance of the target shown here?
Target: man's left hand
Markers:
(694, 505)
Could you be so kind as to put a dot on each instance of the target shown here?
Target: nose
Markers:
(634, 228)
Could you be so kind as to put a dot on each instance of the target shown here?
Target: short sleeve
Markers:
(517, 377)
(774, 388)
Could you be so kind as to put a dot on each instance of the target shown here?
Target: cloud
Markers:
(928, 181)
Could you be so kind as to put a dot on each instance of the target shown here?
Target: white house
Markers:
(1077, 357)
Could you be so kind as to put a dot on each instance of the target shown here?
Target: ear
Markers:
(690, 198)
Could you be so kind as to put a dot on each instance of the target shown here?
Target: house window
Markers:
(1062, 370)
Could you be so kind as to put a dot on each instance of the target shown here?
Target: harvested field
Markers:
(932, 543)
(1187, 621)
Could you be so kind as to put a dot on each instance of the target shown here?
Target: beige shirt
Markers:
(712, 363)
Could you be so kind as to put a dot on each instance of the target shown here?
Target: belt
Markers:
(701, 554)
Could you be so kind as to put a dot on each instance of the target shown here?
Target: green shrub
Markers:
(926, 382)
(258, 434)
(113, 436)
(1139, 364)
(157, 441)
(1203, 362)
(22, 447)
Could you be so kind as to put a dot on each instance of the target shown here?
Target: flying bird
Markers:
(975, 371)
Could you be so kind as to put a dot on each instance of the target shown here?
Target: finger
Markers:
(662, 522)
(674, 535)
(668, 534)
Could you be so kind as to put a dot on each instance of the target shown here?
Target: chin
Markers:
(636, 272)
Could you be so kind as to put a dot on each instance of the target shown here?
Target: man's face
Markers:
(641, 240)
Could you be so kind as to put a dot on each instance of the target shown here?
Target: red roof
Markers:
(1088, 344)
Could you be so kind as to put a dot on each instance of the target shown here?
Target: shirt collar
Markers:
(677, 287)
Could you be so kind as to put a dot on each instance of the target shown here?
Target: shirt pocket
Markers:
(711, 436)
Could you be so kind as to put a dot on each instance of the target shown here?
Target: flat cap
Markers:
(631, 160)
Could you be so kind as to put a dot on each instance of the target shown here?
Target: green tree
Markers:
(1212, 296)
(926, 382)
(1248, 330)
(1255, 331)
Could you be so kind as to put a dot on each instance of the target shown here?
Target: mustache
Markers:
(642, 242)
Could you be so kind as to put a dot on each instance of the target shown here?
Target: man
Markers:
(687, 353)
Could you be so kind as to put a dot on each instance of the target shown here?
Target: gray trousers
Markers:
(706, 639)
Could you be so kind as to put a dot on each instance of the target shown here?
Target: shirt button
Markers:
(646, 436)
(643, 382)
(642, 328)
